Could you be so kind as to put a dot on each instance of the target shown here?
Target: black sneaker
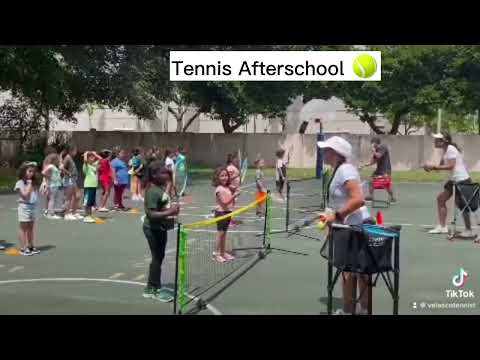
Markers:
(26, 252)
(34, 250)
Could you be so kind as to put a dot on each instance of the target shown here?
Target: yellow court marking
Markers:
(116, 276)
(16, 268)
(12, 252)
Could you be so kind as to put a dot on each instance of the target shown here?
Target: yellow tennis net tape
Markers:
(207, 223)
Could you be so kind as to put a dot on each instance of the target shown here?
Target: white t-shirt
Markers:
(20, 185)
(339, 194)
(281, 167)
(169, 163)
(459, 172)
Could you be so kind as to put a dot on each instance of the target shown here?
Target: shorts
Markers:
(448, 187)
(69, 182)
(260, 195)
(381, 182)
(280, 184)
(224, 224)
(89, 196)
(106, 183)
(26, 212)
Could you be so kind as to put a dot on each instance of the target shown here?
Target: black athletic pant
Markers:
(157, 241)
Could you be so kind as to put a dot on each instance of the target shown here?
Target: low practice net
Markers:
(200, 276)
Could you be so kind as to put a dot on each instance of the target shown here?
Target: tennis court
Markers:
(101, 269)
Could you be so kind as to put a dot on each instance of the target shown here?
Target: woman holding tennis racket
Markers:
(346, 199)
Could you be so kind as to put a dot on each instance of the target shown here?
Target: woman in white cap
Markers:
(346, 199)
(452, 161)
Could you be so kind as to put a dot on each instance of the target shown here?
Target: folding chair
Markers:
(363, 250)
(466, 199)
(382, 183)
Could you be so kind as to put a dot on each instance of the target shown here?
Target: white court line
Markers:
(140, 277)
(211, 308)
(2, 266)
(116, 276)
(16, 268)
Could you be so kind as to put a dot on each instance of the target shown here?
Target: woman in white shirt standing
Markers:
(452, 161)
(346, 199)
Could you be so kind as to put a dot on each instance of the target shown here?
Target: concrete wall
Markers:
(407, 152)
(9, 150)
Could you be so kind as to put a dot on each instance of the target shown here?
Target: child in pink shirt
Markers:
(225, 199)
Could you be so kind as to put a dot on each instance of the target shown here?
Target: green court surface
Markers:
(102, 269)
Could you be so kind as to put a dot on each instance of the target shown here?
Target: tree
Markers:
(19, 121)
(415, 79)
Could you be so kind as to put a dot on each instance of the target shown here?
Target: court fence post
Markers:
(175, 300)
(287, 217)
(396, 274)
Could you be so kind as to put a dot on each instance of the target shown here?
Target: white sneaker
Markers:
(360, 310)
(466, 234)
(439, 230)
(134, 198)
(53, 217)
(103, 210)
(341, 312)
(89, 220)
(77, 216)
(70, 217)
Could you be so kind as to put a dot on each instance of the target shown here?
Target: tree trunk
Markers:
(229, 129)
(191, 120)
(371, 121)
(397, 120)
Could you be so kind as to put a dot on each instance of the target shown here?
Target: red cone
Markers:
(380, 219)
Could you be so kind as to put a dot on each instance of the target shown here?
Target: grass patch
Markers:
(7, 182)
(417, 176)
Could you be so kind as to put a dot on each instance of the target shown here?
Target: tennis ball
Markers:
(322, 225)
(365, 66)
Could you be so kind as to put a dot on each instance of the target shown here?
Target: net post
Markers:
(396, 274)
(175, 300)
(266, 228)
(287, 217)
(319, 168)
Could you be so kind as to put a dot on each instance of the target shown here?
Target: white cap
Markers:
(438, 136)
(337, 144)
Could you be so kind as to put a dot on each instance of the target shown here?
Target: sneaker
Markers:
(89, 220)
(70, 217)
(53, 217)
(26, 252)
(2, 247)
(103, 210)
(393, 202)
(34, 250)
(219, 259)
(466, 234)
(341, 312)
(149, 293)
(439, 230)
(360, 310)
(78, 216)
(163, 296)
(45, 212)
(229, 257)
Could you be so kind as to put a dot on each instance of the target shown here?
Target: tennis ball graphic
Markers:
(365, 66)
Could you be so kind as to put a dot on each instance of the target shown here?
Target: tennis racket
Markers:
(181, 178)
(301, 224)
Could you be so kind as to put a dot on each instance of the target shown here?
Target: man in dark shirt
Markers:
(381, 157)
